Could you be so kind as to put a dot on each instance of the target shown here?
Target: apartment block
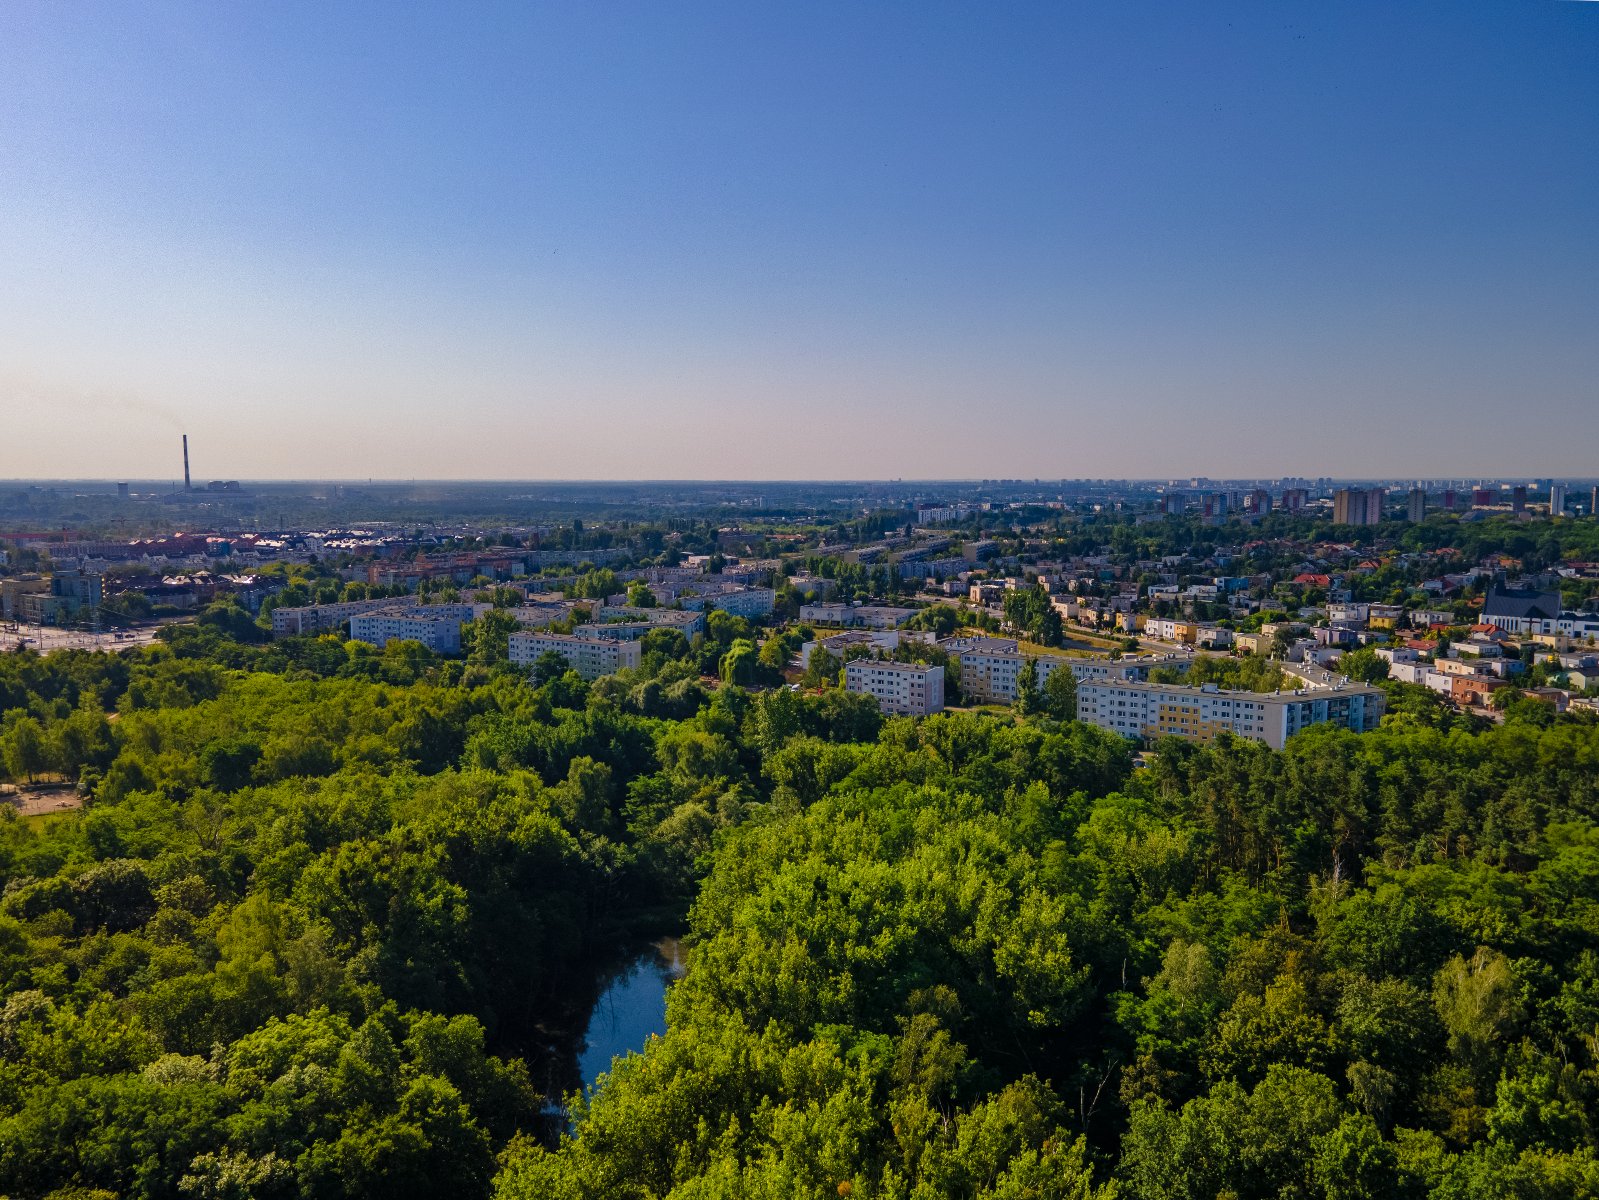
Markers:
(1358, 506)
(905, 689)
(989, 672)
(590, 657)
(14, 594)
(875, 641)
(627, 622)
(866, 616)
(1154, 710)
(740, 602)
(318, 618)
(439, 631)
(540, 616)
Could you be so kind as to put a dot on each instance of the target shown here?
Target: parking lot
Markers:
(46, 639)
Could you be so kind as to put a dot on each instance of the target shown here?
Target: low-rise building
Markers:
(589, 656)
(1172, 630)
(1409, 671)
(1253, 643)
(906, 689)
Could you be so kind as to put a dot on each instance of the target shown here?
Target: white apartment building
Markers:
(738, 602)
(906, 689)
(989, 676)
(590, 657)
(630, 624)
(438, 627)
(1152, 710)
(989, 673)
(316, 618)
(1409, 671)
(867, 616)
(878, 641)
(540, 616)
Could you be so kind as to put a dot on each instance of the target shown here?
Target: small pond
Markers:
(630, 1008)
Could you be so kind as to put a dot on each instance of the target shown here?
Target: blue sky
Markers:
(799, 241)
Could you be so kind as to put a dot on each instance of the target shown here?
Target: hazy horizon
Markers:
(843, 243)
(1176, 482)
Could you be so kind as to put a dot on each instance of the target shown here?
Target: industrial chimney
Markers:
(186, 462)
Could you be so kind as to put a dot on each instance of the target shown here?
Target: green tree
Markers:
(1060, 694)
(1029, 699)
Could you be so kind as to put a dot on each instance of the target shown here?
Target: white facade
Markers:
(907, 689)
(1152, 710)
(631, 624)
(989, 674)
(878, 641)
(315, 618)
(439, 632)
(590, 657)
(867, 616)
(744, 602)
(540, 616)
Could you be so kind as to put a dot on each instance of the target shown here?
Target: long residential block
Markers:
(1152, 710)
(590, 657)
(436, 626)
(989, 671)
(316, 618)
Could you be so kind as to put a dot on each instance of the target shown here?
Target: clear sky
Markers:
(798, 240)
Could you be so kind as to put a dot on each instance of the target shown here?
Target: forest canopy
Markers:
(322, 905)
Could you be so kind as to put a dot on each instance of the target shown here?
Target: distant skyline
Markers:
(831, 241)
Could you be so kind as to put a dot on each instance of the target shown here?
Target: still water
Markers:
(630, 1008)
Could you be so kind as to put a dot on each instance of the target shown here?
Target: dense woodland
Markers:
(310, 933)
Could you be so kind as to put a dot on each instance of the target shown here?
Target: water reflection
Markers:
(630, 1008)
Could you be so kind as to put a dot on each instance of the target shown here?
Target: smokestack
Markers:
(185, 462)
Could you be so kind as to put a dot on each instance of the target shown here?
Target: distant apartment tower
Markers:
(1593, 503)
(1416, 509)
(1557, 499)
(1518, 498)
(906, 689)
(1258, 501)
(1358, 506)
(1294, 499)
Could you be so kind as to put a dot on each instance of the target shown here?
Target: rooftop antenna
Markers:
(186, 485)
